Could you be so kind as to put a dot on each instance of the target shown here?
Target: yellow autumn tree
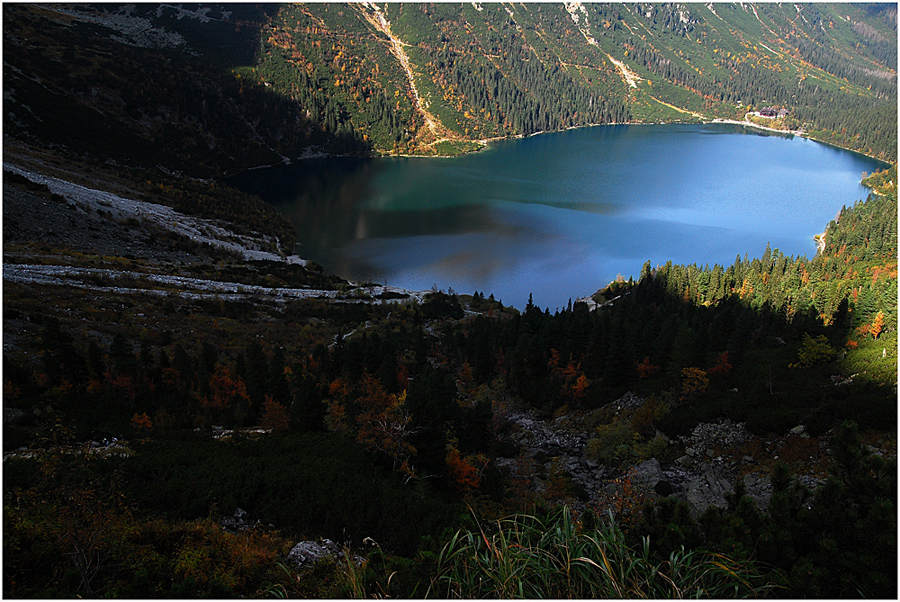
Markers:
(877, 326)
(385, 425)
(275, 416)
(693, 381)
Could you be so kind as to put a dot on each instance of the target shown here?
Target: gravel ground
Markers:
(34, 217)
(74, 219)
(109, 214)
(96, 279)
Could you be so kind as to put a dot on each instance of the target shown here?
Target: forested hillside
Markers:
(365, 419)
(190, 410)
(243, 85)
(482, 71)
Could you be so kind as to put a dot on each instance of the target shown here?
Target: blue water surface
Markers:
(560, 215)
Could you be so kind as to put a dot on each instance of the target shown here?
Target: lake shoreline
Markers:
(493, 221)
(484, 143)
(799, 133)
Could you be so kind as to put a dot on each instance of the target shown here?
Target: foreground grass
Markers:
(526, 557)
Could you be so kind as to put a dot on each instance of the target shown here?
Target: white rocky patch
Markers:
(136, 31)
(166, 285)
(197, 229)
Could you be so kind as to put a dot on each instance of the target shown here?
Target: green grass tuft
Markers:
(527, 557)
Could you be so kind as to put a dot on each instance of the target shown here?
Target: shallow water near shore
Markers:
(560, 215)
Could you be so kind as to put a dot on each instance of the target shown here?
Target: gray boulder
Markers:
(705, 490)
(307, 553)
(629, 401)
(647, 474)
(13, 416)
(759, 488)
(239, 521)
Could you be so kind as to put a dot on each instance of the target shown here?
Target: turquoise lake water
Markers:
(560, 215)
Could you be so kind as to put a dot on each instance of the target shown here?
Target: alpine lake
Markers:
(561, 215)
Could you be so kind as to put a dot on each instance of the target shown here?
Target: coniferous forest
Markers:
(190, 410)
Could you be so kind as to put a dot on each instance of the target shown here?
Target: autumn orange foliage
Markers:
(465, 382)
(336, 415)
(553, 362)
(385, 425)
(877, 325)
(626, 502)
(693, 381)
(574, 382)
(141, 422)
(722, 367)
(123, 384)
(463, 472)
(226, 388)
(275, 416)
(645, 369)
(886, 271)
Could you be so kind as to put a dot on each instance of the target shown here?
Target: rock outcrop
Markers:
(702, 476)
(239, 521)
(307, 553)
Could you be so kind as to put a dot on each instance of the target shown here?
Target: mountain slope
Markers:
(500, 70)
(223, 87)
